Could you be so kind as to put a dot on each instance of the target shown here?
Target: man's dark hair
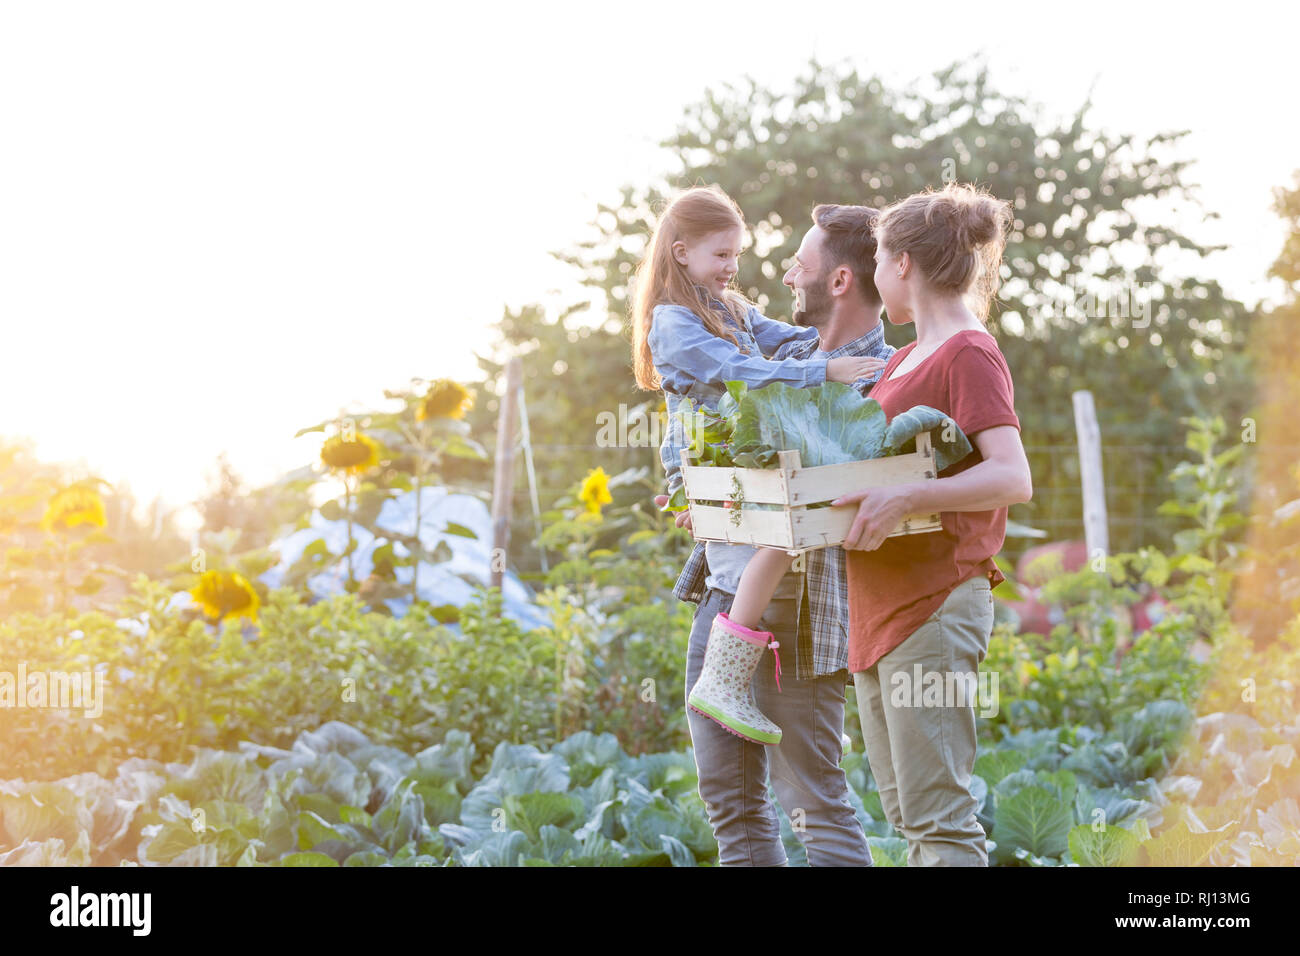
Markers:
(849, 241)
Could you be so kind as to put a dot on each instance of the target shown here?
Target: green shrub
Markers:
(178, 686)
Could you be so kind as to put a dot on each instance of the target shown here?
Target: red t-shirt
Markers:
(894, 589)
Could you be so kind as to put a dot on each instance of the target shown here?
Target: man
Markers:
(835, 293)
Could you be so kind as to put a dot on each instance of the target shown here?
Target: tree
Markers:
(1268, 590)
(1097, 292)
(258, 514)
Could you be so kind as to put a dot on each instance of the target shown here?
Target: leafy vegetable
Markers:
(829, 424)
(1036, 819)
(1107, 846)
(950, 444)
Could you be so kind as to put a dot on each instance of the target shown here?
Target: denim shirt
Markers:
(694, 363)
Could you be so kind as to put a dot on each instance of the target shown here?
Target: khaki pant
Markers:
(922, 756)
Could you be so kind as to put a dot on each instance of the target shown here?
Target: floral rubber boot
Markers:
(724, 692)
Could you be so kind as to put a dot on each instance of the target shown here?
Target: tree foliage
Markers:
(1099, 291)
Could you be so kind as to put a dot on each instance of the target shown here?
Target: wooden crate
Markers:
(794, 526)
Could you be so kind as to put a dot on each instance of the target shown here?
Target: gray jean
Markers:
(922, 753)
(805, 766)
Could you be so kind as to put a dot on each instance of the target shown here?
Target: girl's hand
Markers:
(683, 517)
(879, 512)
(849, 368)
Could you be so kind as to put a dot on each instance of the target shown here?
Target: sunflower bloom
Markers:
(224, 594)
(445, 399)
(74, 505)
(354, 457)
(595, 491)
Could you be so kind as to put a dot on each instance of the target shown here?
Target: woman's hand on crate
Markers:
(683, 517)
(879, 512)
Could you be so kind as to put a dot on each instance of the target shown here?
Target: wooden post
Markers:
(503, 482)
(527, 442)
(1090, 473)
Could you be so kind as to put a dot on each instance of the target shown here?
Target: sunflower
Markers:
(445, 399)
(354, 457)
(595, 491)
(74, 505)
(225, 594)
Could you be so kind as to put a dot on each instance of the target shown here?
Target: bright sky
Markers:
(221, 222)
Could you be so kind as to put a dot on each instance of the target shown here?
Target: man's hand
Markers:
(879, 512)
(683, 517)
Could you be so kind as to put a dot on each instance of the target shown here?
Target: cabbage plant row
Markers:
(1058, 796)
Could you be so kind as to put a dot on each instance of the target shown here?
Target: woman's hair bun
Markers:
(975, 217)
(956, 235)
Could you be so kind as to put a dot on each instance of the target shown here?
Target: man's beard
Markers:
(816, 305)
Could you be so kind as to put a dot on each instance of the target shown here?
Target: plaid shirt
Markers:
(823, 643)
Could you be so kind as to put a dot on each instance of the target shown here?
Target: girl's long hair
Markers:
(661, 279)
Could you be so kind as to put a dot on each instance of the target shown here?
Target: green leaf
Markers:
(1192, 563)
(497, 848)
(355, 816)
(401, 818)
(888, 851)
(589, 755)
(458, 446)
(445, 613)
(827, 425)
(1156, 729)
(1034, 819)
(678, 501)
(950, 444)
(1108, 846)
(1179, 846)
(735, 391)
(365, 858)
(1280, 823)
(44, 811)
(450, 760)
(530, 812)
(677, 851)
(308, 859)
(871, 803)
(441, 801)
(313, 830)
(755, 458)
(993, 765)
(172, 840)
(554, 847)
(1008, 591)
(317, 552)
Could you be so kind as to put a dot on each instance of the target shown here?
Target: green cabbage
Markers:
(829, 424)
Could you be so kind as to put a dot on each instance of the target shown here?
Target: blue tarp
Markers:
(440, 583)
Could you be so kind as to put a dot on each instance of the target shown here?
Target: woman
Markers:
(920, 606)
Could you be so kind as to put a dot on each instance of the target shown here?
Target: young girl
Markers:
(692, 333)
